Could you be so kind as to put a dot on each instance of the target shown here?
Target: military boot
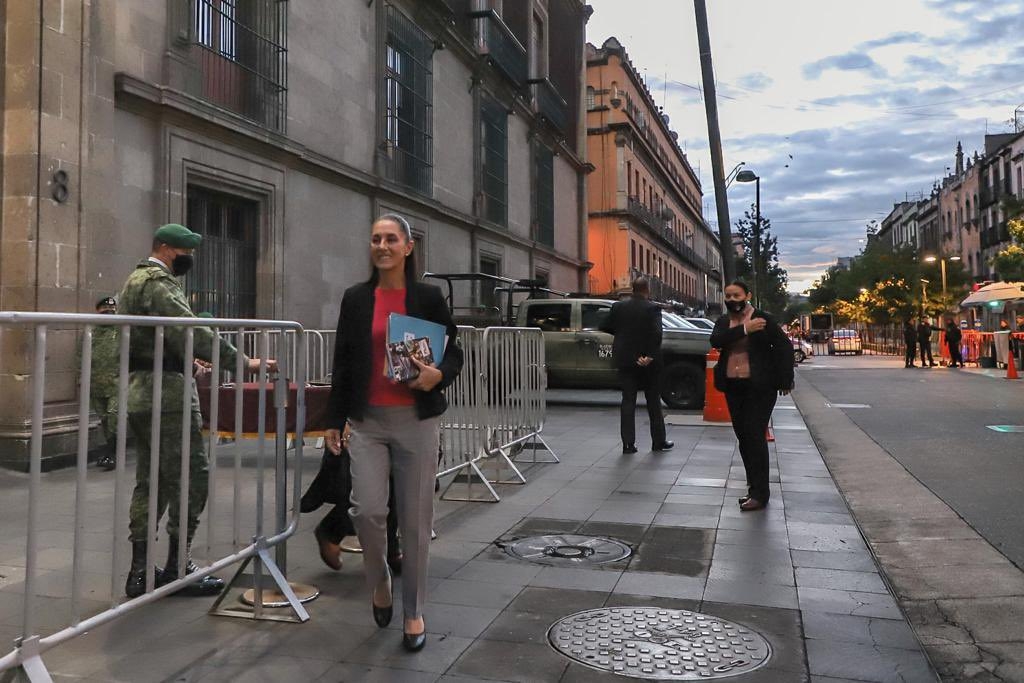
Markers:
(136, 583)
(206, 586)
(106, 461)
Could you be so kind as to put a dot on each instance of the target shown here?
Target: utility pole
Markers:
(715, 140)
(757, 244)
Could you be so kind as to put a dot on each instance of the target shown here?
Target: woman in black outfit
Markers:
(755, 366)
(391, 428)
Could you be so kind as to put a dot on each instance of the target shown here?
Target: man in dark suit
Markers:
(636, 351)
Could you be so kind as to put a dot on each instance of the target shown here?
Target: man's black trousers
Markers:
(910, 355)
(956, 357)
(750, 408)
(645, 380)
(926, 348)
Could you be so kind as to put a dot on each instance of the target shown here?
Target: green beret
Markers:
(178, 236)
(204, 314)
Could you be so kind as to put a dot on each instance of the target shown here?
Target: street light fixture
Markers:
(942, 265)
(748, 176)
(732, 174)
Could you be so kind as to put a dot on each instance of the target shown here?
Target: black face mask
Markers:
(181, 264)
(736, 306)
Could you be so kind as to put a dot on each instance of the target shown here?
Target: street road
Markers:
(933, 421)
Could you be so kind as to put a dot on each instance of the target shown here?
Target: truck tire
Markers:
(683, 387)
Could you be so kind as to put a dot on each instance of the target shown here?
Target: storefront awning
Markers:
(995, 294)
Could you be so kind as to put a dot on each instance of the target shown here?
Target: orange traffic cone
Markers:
(715, 407)
(1011, 368)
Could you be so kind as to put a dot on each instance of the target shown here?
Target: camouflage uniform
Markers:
(151, 289)
(106, 347)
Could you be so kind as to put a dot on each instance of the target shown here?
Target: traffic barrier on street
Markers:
(497, 409)
(318, 352)
(715, 407)
(173, 351)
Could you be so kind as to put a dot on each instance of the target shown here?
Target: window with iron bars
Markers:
(408, 99)
(494, 157)
(239, 49)
(545, 195)
(223, 279)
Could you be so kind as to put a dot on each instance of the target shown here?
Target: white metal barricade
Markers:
(30, 330)
(496, 409)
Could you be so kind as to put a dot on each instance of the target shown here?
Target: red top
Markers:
(384, 392)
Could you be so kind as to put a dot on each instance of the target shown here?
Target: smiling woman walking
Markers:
(391, 427)
(755, 367)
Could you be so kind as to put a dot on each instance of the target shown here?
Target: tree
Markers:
(769, 287)
(1009, 263)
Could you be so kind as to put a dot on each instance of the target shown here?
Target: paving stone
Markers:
(937, 553)
(647, 583)
(839, 579)
(632, 600)
(867, 630)
(917, 529)
(576, 578)
(365, 673)
(556, 601)
(861, 562)
(506, 661)
(474, 593)
(848, 602)
(520, 627)
(759, 572)
(867, 662)
(990, 620)
(627, 533)
(922, 583)
(749, 593)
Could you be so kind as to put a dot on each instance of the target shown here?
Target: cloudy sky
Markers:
(841, 107)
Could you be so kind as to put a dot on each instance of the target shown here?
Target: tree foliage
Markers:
(1009, 263)
(884, 285)
(772, 279)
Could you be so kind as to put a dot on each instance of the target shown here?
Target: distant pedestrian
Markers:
(636, 352)
(953, 337)
(756, 366)
(910, 343)
(924, 340)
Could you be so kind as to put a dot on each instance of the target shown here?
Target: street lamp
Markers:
(942, 267)
(732, 174)
(748, 176)
(924, 294)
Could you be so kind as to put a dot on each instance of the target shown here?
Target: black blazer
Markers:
(636, 324)
(771, 353)
(350, 380)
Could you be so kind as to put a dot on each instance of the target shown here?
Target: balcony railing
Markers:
(639, 210)
(550, 105)
(661, 291)
(501, 48)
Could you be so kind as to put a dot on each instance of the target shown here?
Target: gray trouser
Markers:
(394, 441)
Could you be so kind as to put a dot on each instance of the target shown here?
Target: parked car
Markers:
(676, 321)
(579, 355)
(844, 341)
(802, 350)
(702, 322)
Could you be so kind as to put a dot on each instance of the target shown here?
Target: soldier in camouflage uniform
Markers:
(153, 288)
(106, 345)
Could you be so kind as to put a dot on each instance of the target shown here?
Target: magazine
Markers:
(406, 333)
(400, 358)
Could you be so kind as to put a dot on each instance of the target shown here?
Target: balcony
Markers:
(503, 51)
(550, 105)
(638, 210)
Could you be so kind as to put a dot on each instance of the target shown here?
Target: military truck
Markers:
(577, 353)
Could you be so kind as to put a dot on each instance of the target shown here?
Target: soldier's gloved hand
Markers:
(254, 365)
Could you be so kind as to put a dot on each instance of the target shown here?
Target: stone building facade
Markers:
(644, 198)
(279, 129)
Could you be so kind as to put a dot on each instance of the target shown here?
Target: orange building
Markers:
(644, 199)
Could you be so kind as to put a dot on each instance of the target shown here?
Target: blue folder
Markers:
(405, 327)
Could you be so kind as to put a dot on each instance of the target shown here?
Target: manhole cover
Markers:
(567, 550)
(659, 644)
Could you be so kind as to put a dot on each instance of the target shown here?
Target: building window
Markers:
(545, 195)
(494, 158)
(590, 97)
(223, 280)
(539, 49)
(489, 265)
(632, 253)
(240, 51)
(408, 103)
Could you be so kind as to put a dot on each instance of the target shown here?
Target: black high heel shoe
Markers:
(382, 615)
(414, 642)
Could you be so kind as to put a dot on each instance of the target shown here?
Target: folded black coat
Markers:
(332, 484)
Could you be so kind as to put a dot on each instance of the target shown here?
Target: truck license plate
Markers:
(604, 351)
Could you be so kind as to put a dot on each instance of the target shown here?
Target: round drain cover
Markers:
(568, 550)
(659, 644)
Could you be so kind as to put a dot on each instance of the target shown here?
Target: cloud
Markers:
(824, 250)
(899, 38)
(756, 81)
(850, 61)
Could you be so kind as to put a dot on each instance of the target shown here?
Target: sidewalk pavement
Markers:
(798, 573)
